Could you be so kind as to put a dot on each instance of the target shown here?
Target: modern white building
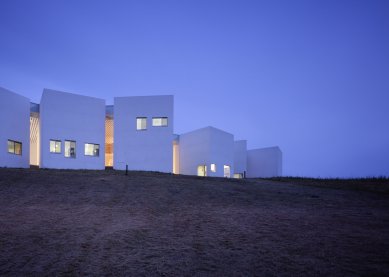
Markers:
(264, 162)
(206, 152)
(143, 133)
(15, 129)
(72, 131)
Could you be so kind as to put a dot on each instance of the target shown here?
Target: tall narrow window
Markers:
(213, 167)
(92, 149)
(227, 171)
(14, 147)
(141, 123)
(160, 121)
(55, 146)
(70, 149)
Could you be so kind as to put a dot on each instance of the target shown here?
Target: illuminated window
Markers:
(141, 123)
(14, 147)
(70, 149)
(238, 175)
(55, 146)
(92, 149)
(160, 121)
(227, 171)
(213, 167)
(202, 170)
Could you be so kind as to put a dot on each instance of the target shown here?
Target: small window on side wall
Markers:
(159, 121)
(14, 147)
(227, 171)
(238, 175)
(70, 149)
(141, 123)
(92, 149)
(55, 146)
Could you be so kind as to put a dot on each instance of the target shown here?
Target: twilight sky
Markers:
(309, 76)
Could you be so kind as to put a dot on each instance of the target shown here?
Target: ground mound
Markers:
(106, 223)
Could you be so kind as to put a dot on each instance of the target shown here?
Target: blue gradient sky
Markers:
(309, 76)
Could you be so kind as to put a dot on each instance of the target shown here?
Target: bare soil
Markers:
(63, 222)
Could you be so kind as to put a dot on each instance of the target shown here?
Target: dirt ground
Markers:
(56, 222)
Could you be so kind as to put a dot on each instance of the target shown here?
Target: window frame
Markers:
(75, 149)
(14, 142)
(94, 144)
(160, 117)
(60, 146)
(136, 122)
(229, 171)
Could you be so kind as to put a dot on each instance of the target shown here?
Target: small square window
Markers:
(55, 146)
(92, 149)
(14, 147)
(141, 123)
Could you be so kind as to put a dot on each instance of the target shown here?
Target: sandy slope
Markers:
(105, 223)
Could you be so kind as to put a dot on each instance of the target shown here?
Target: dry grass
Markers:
(56, 222)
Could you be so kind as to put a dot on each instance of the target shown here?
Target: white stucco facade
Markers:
(71, 131)
(264, 162)
(240, 158)
(150, 147)
(71, 118)
(15, 130)
(210, 148)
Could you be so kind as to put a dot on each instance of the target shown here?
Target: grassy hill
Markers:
(106, 223)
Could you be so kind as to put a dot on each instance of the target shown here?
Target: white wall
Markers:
(67, 116)
(240, 156)
(264, 162)
(15, 125)
(150, 149)
(206, 146)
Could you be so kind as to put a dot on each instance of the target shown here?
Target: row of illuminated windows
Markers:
(90, 149)
(227, 171)
(141, 122)
(202, 170)
(14, 147)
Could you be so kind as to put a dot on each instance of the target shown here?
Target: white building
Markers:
(143, 133)
(15, 129)
(72, 131)
(206, 152)
(264, 162)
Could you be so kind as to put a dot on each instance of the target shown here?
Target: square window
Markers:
(141, 123)
(55, 146)
(92, 149)
(14, 147)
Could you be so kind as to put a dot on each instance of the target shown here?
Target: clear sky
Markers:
(309, 76)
